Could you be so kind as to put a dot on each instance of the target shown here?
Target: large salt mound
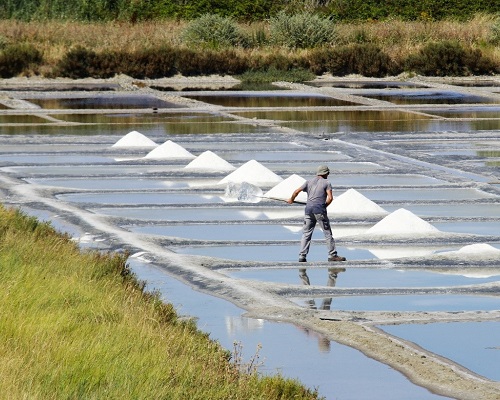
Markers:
(210, 161)
(169, 149)
(252, 172)
(285, 188)
(402, 222)
(353, 202)
(135, 139)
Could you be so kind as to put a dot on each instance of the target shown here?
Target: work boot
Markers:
(302, 259)
(336, 258)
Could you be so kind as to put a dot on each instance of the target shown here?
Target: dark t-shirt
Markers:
(316, 194)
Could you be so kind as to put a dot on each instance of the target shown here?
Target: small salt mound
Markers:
(135, 139)
(479, 248)
(169, 149)
(353, 202)
(284, 189)
(252, 172)
(210, 161)
(473, 251)
(402, 222)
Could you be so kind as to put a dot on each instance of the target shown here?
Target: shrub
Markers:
(206, 62)
(364, 59)
(149, 63)
(212, 31)
(76, 63)
(304, 30)
(17, 58)
(449, 58)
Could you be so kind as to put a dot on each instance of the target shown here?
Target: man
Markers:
(319, 196)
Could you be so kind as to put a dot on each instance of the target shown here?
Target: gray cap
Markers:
(323, 170)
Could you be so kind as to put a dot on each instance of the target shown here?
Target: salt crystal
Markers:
(285, 188)
(353, 202)
(135, 139)
(210, 161)
(252, 172)
(402, 222)
(169, 149)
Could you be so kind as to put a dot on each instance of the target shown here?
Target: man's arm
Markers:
(295, 194)
(329, 197)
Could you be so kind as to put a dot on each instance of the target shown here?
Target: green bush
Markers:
(212, 31)
(495, 32)
(449, 58)
(206, 62)
(149, 63)
(80, 62)
(363, 59)
(304, 30)
(18, 58)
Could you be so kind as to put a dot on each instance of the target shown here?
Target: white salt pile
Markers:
(402, 223)
(285, 188)
(210, 161)
(481, 250)
(353, 202)
(135, 139)
(252, 172)
(169, 149)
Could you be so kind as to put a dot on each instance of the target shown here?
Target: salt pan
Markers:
(252, 172)
(169, 149)
(135, 139)
(210, 161)
(285, 188)
(402, 222)
(353, 202)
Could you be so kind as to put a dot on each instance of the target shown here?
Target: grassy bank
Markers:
(161, 48)
(77, 325)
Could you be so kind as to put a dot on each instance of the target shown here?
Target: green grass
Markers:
(79, 325)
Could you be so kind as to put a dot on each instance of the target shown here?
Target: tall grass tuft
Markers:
(212, 31)
(301, 31)
(79, 325)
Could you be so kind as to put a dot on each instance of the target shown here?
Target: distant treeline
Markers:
(250, 10)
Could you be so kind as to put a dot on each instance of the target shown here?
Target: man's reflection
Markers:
(332, 281)
(323, 342)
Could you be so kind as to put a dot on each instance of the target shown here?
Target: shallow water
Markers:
(481, 354)
(279, 99)
(315, 360)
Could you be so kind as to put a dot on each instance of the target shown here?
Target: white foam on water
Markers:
(135, 139)
(169, 149)
(285, 188)
(353, 202)
(402, 222)
(209, 161)
(252, 172)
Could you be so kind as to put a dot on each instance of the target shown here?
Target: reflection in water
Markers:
(323, 342)
(274, 100)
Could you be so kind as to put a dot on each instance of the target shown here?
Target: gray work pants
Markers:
(310, 221)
